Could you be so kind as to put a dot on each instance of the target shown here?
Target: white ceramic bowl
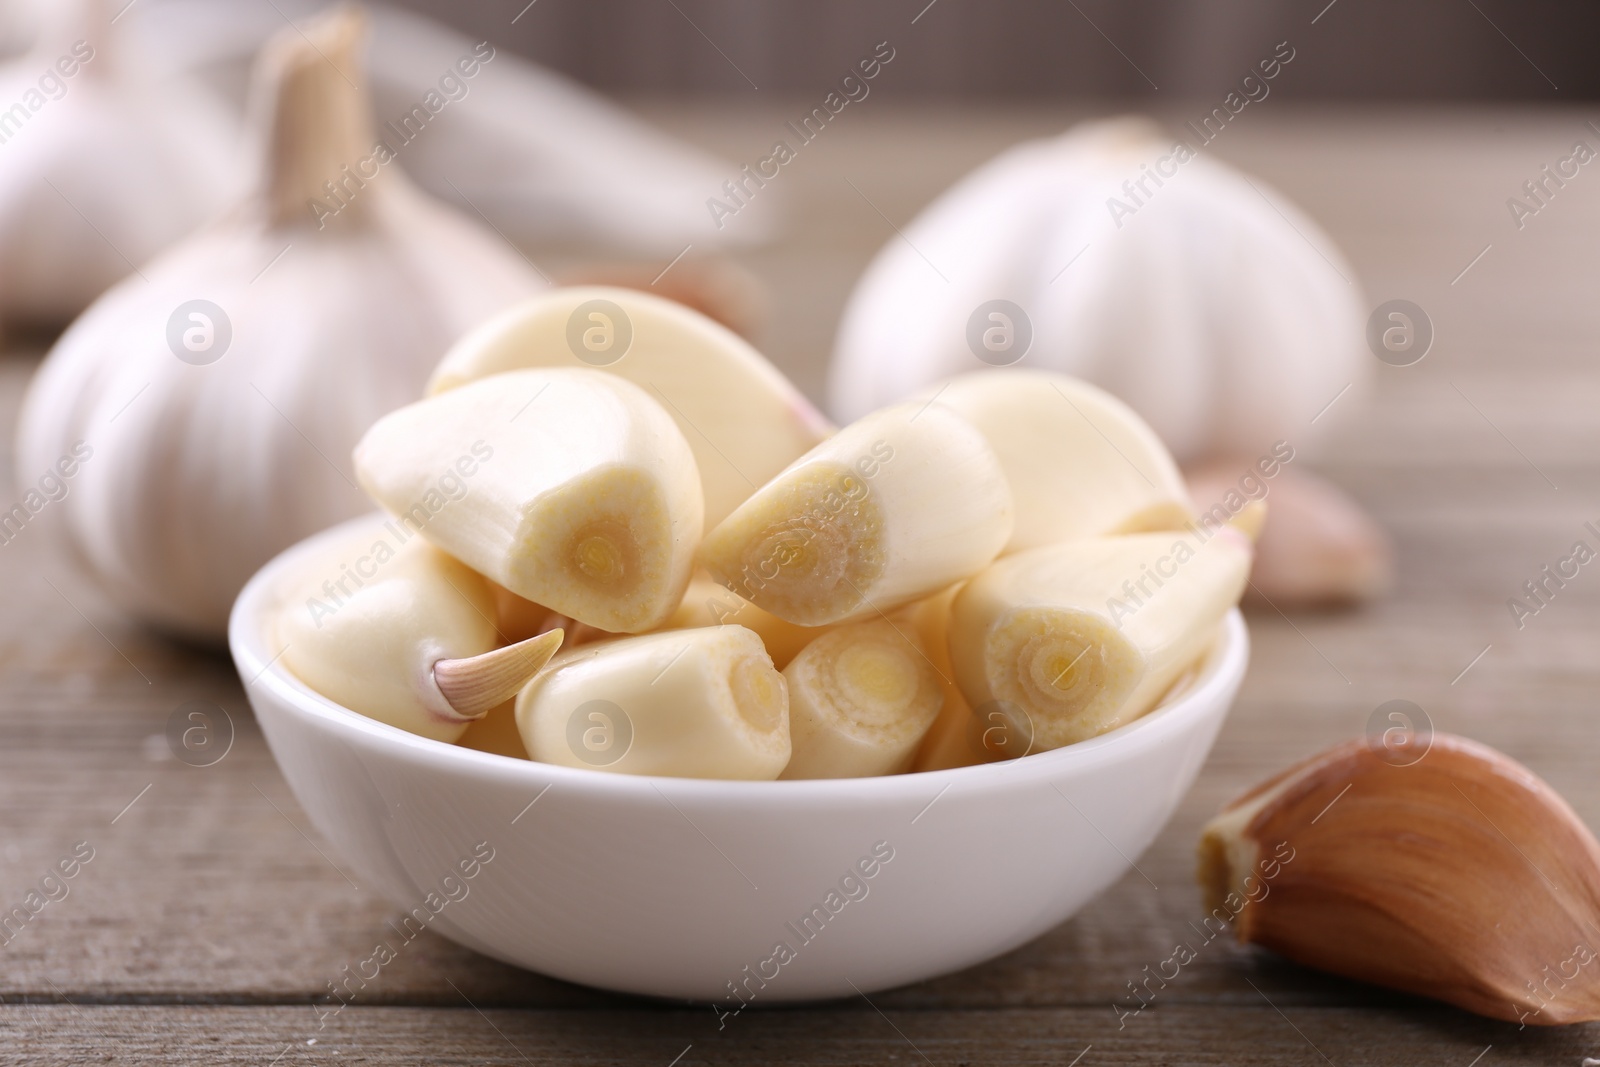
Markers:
(677, 887)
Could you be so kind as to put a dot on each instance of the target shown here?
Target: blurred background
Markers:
(1089, 49)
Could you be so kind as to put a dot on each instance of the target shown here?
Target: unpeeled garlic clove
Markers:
(861, 697)
(1460, 876)
(702, 703)
(1318, 548)
(582, 495)
(892, 508)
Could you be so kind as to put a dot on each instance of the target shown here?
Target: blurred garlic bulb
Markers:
(1202, 299)
(104, 165)
(223, 389)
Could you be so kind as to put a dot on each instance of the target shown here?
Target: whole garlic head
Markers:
(1208, 303)
(104, 165)
(223, 389)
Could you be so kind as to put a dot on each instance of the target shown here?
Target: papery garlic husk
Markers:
(1080, 462)
(104, 166)
(861, 697)
(892, 508)
(707, 603)
(577, 490)
(1069, 641)
(743, 419)
(1458, 875)
(209, 460)
(702, 703)
(371, 643)
(1216, 310)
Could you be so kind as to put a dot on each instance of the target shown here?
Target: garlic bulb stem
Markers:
(478, 683)
(318, 117)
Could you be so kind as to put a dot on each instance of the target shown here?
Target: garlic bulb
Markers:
(1201, 298)
(104, 166)
(223, 389)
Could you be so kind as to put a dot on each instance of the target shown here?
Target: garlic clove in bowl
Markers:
(584, 495)
(744, 420)
(675, 886)
(222, 389)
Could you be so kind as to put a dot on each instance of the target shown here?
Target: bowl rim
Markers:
(1208, 693)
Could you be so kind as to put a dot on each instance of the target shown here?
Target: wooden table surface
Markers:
(211, 916)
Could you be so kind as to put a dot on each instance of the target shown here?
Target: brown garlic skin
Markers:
(1460, 876)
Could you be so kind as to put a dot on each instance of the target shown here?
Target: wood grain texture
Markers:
(212, 917)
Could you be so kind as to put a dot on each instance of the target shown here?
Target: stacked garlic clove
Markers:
(708, 603)
(744, 421)
(701, 703)
(1079, 461)
(586, 500)
(890, 509)
(1068, 641)
(860, 699)
(223, 389)
(412, 645)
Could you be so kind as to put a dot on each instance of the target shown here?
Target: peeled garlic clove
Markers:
(1069, 641)
(1080, 462)
(221, 392)
(372, 644)
(892, 508)
(517, 619)
(704, 703)
(1206, 301)
(860, 699)
(1459, 876)
(960, 736)
(742, 418)
(583, 495)
(707, 603)
(108, 161)
(1319, 547)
